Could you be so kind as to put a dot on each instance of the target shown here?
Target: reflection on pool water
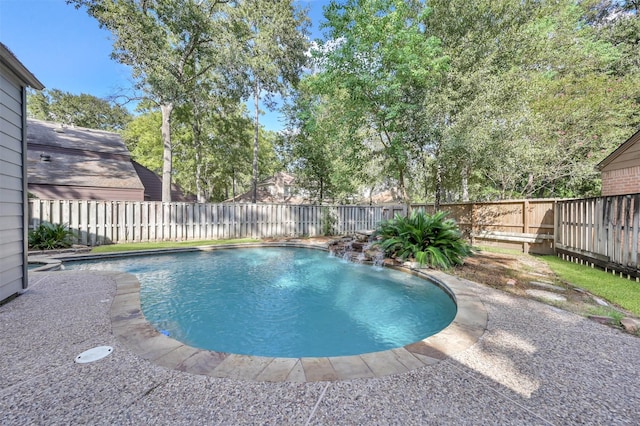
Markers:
(283, 302)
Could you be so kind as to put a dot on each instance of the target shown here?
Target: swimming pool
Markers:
(283, 302)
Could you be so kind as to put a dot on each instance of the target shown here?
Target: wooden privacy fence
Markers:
(104, 222)
(524, 224)
(601, 231)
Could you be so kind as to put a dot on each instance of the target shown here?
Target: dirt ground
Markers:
(497, 269)
(517, 273)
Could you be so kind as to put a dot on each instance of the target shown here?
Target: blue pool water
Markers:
(283, 302)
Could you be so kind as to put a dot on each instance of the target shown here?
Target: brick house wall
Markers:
(620, 171)
(619, 182)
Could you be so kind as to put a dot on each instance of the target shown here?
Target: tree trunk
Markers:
(465, 183)
(402, 186)
(256, 131)
(167, 156)
(438, 188)
(400, 165)
(197, 147)
(528, 190)
(233, 184)
(425, 179)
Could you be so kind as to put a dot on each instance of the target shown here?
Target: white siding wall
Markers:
(12, 258)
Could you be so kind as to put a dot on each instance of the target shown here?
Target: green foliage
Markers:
(428, 239)
(197, 60)
(144, 141)
(80, 110)
(219, 166)
(617, 290)
(319, 152)
(273, 39)
(380, 61)
(172, 46)
(491, 99)
(48, 236)
(446, 99)
(329, 219)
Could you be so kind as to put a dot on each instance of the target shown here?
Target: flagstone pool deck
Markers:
(531, 364)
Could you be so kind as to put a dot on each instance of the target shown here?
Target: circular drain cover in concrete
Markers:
(94, 354)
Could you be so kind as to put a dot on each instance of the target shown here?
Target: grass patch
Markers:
(165, 244)
(619, 291)
(607, 312)
(498, 250)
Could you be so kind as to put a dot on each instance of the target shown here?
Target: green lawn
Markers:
(619, 291)
(499, 250)
(165, 244)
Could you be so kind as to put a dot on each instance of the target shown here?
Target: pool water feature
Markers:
(283, 302)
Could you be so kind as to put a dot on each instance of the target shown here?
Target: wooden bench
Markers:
(515, 237)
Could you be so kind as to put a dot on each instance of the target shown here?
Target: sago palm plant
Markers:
(433, 240)
(47, 236)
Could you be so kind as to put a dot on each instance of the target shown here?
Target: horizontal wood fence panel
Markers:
(105, 222)
(505, 223)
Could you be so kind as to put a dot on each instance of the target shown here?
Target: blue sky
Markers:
(65, 49)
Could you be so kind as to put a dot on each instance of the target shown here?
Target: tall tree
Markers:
(381, 56)
(274, 46)
(168, 44)
(82, 110)
(527, 80)
(317, 149)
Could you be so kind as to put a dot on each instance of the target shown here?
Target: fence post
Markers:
(472, 233)
(557, 212)
(525, 224)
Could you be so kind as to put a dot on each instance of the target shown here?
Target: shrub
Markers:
(428, 239)
(49, 236)
(328, 221)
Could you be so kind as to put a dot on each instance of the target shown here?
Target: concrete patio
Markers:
(534, 364)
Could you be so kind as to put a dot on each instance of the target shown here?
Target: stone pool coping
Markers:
(131, 327)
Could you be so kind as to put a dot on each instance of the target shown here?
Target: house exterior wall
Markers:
(71, 192)
(621, 182)
(622, 174)
(153, 186)
(12, 191)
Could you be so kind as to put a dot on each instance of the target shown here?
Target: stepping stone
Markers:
(630, 325)
(600, 301)
(546, 295)
(538, 274)
(546, 285)
(601, 319)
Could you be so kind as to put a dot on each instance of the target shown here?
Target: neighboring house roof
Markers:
(153, 186)
(274, 189)
(280, 178)
(635, 138)
(387, 196)
(74, 156)
(8, 59)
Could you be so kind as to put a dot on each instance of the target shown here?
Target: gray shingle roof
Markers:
(78, 156)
